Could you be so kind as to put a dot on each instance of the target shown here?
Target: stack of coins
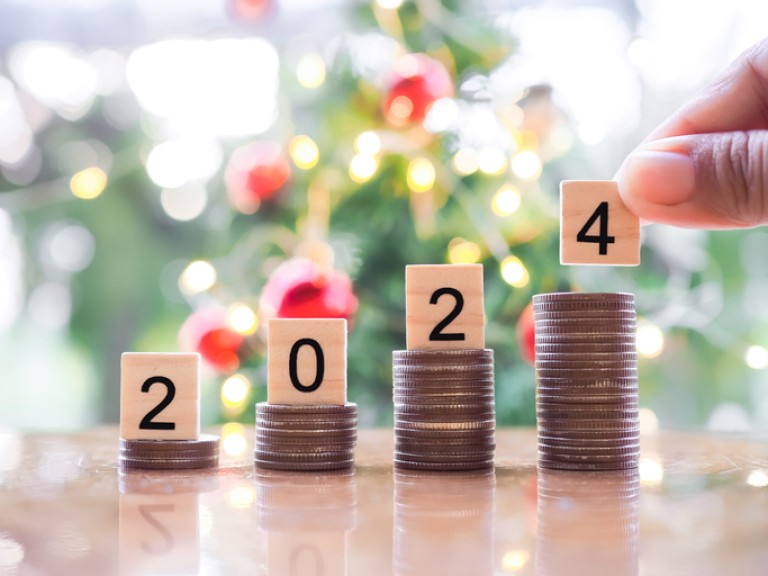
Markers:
(588, 519)
(170, 454)
(445, 415)
(305, 437)
(586, 381)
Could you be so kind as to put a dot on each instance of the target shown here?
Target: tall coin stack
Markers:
(445, 414)
(305, 437)
(586, 381)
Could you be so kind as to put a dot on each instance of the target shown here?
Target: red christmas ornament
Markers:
(207, 332)
(251, 10)
(526, 334)
(298, 288)
(417, 82)
(255, 172)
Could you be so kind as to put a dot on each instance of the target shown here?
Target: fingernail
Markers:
(660, 173)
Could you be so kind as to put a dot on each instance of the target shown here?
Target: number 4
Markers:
(603, 239)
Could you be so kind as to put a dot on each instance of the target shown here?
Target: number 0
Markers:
(600, 213)
(293, 364)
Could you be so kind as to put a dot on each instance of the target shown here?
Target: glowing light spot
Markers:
(400, 108)
(506, 201)
(649, 422)
(514, 272)
(304, 152)
(89, 183)
(234, 391)
(465, 162)
(491, 161)
(650, 340)
(515, 560)
(185, 203)
(462, 251)
(526, 165)
(756, 357)
(241, 497)
(651, 471)
(420, 175)
(362, 167)
(242, 319)
(233, 440)
(11, 553)
(758, 478)
(175, 162)
(390, 4)
(368, 143)
(310, 71)
(197, 277)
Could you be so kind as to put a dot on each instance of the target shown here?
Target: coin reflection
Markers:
(159, 521)
(588, 520)
(307, 518)
(444, 523)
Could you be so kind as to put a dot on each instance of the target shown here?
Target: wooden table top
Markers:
(698, 505)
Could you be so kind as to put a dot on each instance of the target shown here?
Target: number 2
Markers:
(148, 423)
(437, 334)
(603, 239)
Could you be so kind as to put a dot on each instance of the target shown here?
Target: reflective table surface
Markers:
(697, 505)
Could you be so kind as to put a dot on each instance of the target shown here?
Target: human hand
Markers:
(707, 165)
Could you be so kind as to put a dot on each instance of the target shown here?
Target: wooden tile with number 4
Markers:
(160, 396)
(307, 361)
(444, 307)
(595, 225)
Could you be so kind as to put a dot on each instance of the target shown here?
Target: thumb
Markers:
(699, 181)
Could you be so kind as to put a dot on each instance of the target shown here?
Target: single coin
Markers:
(204, 442)
(416, 447)
(310, 435)
(304, 448)
(616, 313)
(348, 408)
(549, 425)
(586, 381)
(580, 355)
(168, 454)
(548, 414)
(588, 450)
(290, 456)
(581, 373)
(485, 424)
(283, 422)
(429, 399)
(445, 457)
(463, 408)
(304, 466)
(443, 386)
(460, 356)
(592, 339)
(444, 435)
(438, 418)
(628, 442)
(583, 296)
(441, 372)
(573, 324)
(584, 332)
(579, 348)
(576, 437)
(443, 466)
(548, 404)
(176, 464)
(586, 364)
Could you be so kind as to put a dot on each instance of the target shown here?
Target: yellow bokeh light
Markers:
(197, 277)
(233, 441)
(649, 340)
(514, 560)
(242, 319)
(362, 167)
(651, 471)
(390, 4)
(304, 152)
(491, 160)
(506, 201)
(310, 71)
(421, 175)
(758, 478)
(234, 391)
(756, 357)
(465, 162)
(368, 143)
(462, 251)
(526, 165)
(89, 183)
(514, 272)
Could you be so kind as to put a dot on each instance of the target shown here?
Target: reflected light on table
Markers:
(307, 518)
(588, 519)
(444, 523)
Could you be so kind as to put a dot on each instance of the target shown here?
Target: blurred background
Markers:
(173, 174)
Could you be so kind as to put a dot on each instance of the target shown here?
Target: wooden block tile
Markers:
(306, 552)
(444, 307)
(307, 361)
(160, 396)
(595, 225)
(159, 534)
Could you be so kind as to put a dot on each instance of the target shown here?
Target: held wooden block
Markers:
(159, 534)
(444, 307)
(306, 552)
(307, 361)
(595, 225)
(160, 396)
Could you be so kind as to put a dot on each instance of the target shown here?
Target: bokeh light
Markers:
(242, 319)
(420, 175)
(304, 151)
(756, 357)
(758, 479)
(651, 471)
(197, 277)
(465, 162)
(234, 393)
(526, 165)
(310, 71)
(184, 203)
(491, 160)
(506, 201)
(362, 167)
(368, 143)
(650, 340)
(461, 251)
(233, 441)
(89, 183)
(515, 560)
(514, 272)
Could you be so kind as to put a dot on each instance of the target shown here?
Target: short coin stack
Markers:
(445, 414)
(586, 381)
(170, 454)
(305, 437)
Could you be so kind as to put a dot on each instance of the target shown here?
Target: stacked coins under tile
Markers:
(305, 437)
(444, 409)
(586, 381)
(170, 454)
